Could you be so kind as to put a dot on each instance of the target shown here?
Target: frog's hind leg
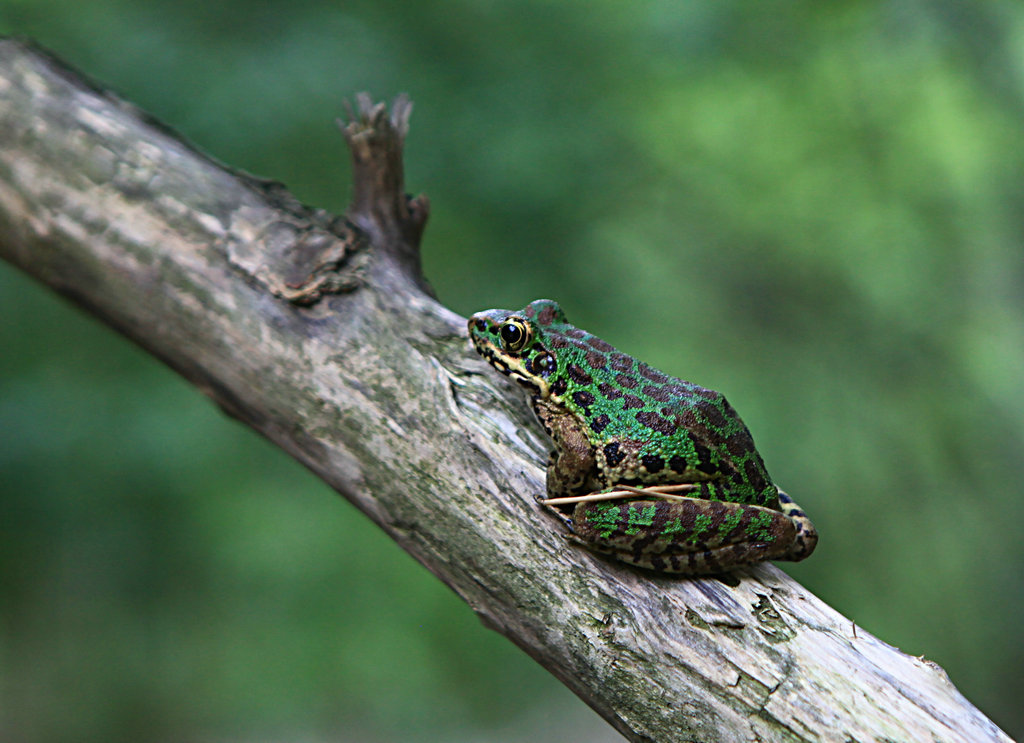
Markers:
(806, 535)
(689, 536)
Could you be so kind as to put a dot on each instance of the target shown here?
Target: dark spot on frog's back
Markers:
(546, 316)
(652, 374)
(709, 395)
(626, 381)
(613, 456)
(620, 362)
(559, 386)
(584, 399)
(600, 423)
(599, 344)
(578, 375)
(610, 391)
(596, 360)
(632, 402)
(683, 390)
(714, 415)
(657, 393)
(656, 423)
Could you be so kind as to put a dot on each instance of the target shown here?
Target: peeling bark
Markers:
(318, 332)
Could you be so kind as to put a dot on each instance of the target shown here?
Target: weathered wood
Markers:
(316, 331)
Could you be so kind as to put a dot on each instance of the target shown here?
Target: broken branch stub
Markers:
(392, 219)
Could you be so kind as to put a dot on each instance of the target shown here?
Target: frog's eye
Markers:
(514, 335)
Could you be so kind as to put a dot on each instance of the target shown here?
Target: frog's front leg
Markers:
(572, 466)
(690, 536)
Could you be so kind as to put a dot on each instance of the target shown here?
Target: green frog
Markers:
(655, 471)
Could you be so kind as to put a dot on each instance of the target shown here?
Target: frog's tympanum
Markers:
(658, 472)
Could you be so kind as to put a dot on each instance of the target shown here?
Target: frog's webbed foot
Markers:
(806, 535)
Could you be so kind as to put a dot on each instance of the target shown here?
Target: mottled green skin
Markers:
(616, 421)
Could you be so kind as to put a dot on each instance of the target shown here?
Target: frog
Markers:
(657, 472)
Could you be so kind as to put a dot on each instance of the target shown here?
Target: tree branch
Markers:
(317, 331)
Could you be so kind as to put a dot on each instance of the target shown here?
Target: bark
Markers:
(318, 332)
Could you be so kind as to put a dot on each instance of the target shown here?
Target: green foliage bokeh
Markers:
(813, 207)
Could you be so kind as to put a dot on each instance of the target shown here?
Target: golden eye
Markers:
(514, 335)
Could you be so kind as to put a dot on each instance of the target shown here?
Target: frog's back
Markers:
(649, 426)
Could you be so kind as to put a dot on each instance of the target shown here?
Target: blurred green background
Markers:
(813, 207)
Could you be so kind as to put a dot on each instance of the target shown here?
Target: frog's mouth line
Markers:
(490, 353)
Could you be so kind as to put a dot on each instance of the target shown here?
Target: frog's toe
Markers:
(556, 511)
(806, 538)
(804, 543)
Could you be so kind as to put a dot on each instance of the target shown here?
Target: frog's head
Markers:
(516, 343)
